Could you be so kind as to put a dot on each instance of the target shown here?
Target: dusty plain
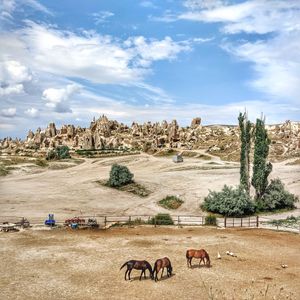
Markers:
(66, 264)
(33, 192)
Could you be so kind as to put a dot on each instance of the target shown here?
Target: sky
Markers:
(148, 60)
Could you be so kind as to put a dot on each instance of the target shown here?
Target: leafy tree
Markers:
(229, 202)
(119, 176)
(245, 128)
(276, 197)
(261, 168)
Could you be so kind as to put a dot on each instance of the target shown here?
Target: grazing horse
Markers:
(138, 265)
(201, 254)
(162, 263)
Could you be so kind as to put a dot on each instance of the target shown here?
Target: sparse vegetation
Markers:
(162, 219)
(3, 170)
(119, 176)
(290, 221)
(41, 163)
(211, 220)
(229, 202)
(170, 202)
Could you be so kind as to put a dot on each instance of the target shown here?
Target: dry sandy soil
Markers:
(66, 264)
(68, 192)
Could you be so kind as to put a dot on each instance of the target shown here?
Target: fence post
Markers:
(129, 221)
(105, 222)
(241, 222)
(178, 221)
(225, 219)
(154, 221)
(249, 222)
(257, 221)
(202, 220)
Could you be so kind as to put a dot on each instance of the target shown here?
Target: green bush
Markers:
(119, 176)
(211, 220)
(170, 202)
(60, 152)
(162, 219)
(276, 197)
(229, 202)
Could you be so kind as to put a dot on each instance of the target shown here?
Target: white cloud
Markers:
(252, 16)
(9, 112)
(12, 77)
(148, 4)
(57, 98)
(102, 16)
(275, 58)
(31, 112)
(8, 7)
(93, 57)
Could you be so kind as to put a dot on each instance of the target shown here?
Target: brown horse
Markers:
(162, 263)
(201, 254)
(138, 265)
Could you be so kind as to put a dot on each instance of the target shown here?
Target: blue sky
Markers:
(67, 61)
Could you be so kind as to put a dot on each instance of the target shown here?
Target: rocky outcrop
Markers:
(104, 133)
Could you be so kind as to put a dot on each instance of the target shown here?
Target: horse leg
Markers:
(129, 274)
(162, 272)
(141, 274)
(126, 273)
(145, 273)
(191, 262)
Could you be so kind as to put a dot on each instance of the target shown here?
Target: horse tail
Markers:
(124, 265)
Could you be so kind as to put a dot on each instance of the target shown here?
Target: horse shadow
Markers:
(165, 277)
(137, 278)
(196, 266)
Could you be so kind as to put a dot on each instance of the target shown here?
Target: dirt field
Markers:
(36, 192)
(65, 264)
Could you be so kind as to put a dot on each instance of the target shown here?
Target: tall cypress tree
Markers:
(245, 136)
(261, 168)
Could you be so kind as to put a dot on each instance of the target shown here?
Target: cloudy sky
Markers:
(67, 61)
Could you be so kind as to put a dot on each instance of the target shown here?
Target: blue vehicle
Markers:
(50, 221)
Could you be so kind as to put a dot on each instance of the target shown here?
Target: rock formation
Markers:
(104, 133)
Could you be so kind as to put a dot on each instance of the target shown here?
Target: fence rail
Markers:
(106, 221)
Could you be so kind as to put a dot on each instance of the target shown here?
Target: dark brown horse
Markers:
(138, 265)
(201, 254)
(162, 263)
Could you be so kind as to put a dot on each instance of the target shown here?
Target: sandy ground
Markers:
(65, 264)
(71, 191)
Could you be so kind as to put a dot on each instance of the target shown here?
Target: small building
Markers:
(177, 158)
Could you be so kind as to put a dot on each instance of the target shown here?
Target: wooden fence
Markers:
(106, 221)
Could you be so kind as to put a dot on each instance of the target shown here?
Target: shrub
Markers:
(60, 152)
(41, 163)
(119, 176)
(211, 220)
(170, 202)
(229, 202)
(51, 155)
(162, 219)
(276, 197)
